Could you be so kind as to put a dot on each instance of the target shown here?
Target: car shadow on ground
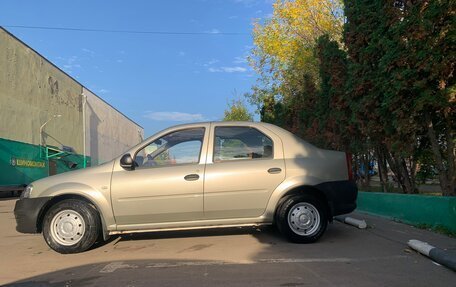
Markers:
(264, 234)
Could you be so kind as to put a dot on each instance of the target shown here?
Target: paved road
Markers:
(345, 256)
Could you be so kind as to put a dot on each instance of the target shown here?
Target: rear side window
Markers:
(241, 143)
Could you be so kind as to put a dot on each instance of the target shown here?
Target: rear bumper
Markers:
(341, 195)
(27, 212)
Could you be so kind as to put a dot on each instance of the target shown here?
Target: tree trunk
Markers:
(408, 176)
(382, 168)
(365, 179)
(447, 179)
(451, 152)
(413, 165)
(399, 168)
(356, 168)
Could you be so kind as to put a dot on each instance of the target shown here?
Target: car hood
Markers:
(94, 177)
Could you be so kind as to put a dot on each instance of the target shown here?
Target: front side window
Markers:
(239, 143)
(181, 147)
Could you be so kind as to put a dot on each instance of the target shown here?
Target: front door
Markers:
(245, 167)
(166, 184)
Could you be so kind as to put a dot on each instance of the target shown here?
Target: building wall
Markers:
(32, 90)
(108, 132)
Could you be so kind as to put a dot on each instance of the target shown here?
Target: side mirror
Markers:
(126, 162)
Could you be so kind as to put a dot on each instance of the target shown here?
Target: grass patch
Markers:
(437, 228)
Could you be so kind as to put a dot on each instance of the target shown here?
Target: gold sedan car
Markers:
(202, 175)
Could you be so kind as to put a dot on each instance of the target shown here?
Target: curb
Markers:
(361, 224)
(436, 254)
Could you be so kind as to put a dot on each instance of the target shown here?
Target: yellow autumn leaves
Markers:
(285, 42)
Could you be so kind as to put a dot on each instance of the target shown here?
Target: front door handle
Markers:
(191, 177)
(274, 170)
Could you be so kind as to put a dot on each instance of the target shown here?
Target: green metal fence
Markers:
(433, 211)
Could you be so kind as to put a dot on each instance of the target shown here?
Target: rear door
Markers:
(244, 166)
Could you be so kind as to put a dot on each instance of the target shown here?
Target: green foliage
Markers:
(365, 22)
(237, 111)
(284, 58)
(389, 90)
(332, 107)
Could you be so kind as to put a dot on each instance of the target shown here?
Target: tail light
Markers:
(348, 159)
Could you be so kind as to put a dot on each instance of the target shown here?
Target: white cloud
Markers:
(233, 17)
(182, 53)
(119, 61)
(70, 63)
(174, 116)
(247, 3)
(213, 31)
(236, 69)
(240, 60)
(211, 62)
(103, 91)
(88, 51)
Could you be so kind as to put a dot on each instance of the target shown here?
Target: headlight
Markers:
(27, 191)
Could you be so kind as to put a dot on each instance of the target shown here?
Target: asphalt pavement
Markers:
(345, 256)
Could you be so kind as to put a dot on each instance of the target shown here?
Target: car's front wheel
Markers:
(71, 226)
(302, 218)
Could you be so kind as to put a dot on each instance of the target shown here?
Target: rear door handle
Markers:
(191, 177)
(274, 170)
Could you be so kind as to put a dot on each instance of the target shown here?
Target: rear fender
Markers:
(289, 185)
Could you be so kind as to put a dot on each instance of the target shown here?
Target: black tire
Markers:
(317, 209)
(90, 223)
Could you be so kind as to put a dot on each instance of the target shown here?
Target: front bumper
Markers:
(341, 195)
(27, 212)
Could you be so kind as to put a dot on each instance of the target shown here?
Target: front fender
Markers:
(101, 199)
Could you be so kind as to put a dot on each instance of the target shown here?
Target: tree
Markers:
(418, 65)
(284, 56)
(237, 111)
(401, 78)
(387, 92)
(332, 110)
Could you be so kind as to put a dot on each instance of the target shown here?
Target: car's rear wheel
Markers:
(71, 226)
(302, 218)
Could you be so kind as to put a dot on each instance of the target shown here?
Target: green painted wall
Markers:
(32, 90)
(20, 163)
(434, 211)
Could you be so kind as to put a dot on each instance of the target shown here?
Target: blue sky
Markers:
(156, 80)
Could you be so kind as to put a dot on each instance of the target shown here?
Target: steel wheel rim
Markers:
(304, 219)
(67, 227)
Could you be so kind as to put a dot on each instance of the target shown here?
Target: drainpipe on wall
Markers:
(84, 101)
